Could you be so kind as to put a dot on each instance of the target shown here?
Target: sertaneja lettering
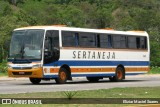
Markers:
(93, 55)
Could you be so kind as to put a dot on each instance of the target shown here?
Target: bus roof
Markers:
(74, 29)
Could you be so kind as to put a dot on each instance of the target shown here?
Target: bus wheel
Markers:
(119, 74)
(93, 79)
(35, 80)
(62, 76)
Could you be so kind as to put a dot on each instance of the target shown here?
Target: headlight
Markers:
(37, 66)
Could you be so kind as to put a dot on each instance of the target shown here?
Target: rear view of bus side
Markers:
(60, 53)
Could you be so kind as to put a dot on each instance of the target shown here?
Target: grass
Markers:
(3, 74)
(135, 92)
(154, 70)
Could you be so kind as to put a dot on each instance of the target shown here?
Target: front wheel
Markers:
(62, 76)
(35, 80)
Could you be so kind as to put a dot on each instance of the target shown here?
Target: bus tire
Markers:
(62, 76)
(35, 80)
(93, 79)
(119, 74)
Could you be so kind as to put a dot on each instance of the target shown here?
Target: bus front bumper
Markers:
(34, 72)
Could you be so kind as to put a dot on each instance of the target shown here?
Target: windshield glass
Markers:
(26, 44)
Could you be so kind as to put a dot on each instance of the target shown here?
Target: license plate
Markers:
(21, 73)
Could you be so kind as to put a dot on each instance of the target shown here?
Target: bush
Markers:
(3, 66)
(154, 70)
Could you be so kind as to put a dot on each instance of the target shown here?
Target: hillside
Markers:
(116, 14)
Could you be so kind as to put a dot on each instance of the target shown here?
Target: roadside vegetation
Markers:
(134, 92)
(3, 68)
(154, 70)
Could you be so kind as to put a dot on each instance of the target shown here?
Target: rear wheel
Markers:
(62, 76)
(93, 79)
(35, 80)
(118, 76)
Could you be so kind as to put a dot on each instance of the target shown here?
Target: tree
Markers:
(72, 16)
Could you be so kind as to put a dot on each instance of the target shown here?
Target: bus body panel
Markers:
(83, 62)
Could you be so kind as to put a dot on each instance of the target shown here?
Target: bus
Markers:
(61, 52)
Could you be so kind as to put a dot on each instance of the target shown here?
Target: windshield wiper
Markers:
(29, 61)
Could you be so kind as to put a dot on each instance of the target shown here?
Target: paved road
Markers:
(23, 85)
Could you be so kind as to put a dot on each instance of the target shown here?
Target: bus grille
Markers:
(22, 67)
(20, 73)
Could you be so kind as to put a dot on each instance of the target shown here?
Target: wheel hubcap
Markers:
(63, 75)
(119, 74)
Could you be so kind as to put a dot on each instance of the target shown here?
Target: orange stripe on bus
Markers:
(137, 69)
(107, 69)
(74, 70)
(54, 70)
(92, 69)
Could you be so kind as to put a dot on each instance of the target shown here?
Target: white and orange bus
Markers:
(60, 53)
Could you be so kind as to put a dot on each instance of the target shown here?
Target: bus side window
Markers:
(109, 41)
(132, 43)
(105, 41)
(116, 41)
(69, 39)
(87, 40)
(143, 42)
(123, 43)
(77, 39)
(138, 42)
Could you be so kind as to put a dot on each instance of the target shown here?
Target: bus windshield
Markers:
(26, 44)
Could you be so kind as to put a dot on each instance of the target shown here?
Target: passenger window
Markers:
(132, 44)
(68, 39)
(143, 42)
(116, 42)
(105, 41)
(87, 40)
(135, 42)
